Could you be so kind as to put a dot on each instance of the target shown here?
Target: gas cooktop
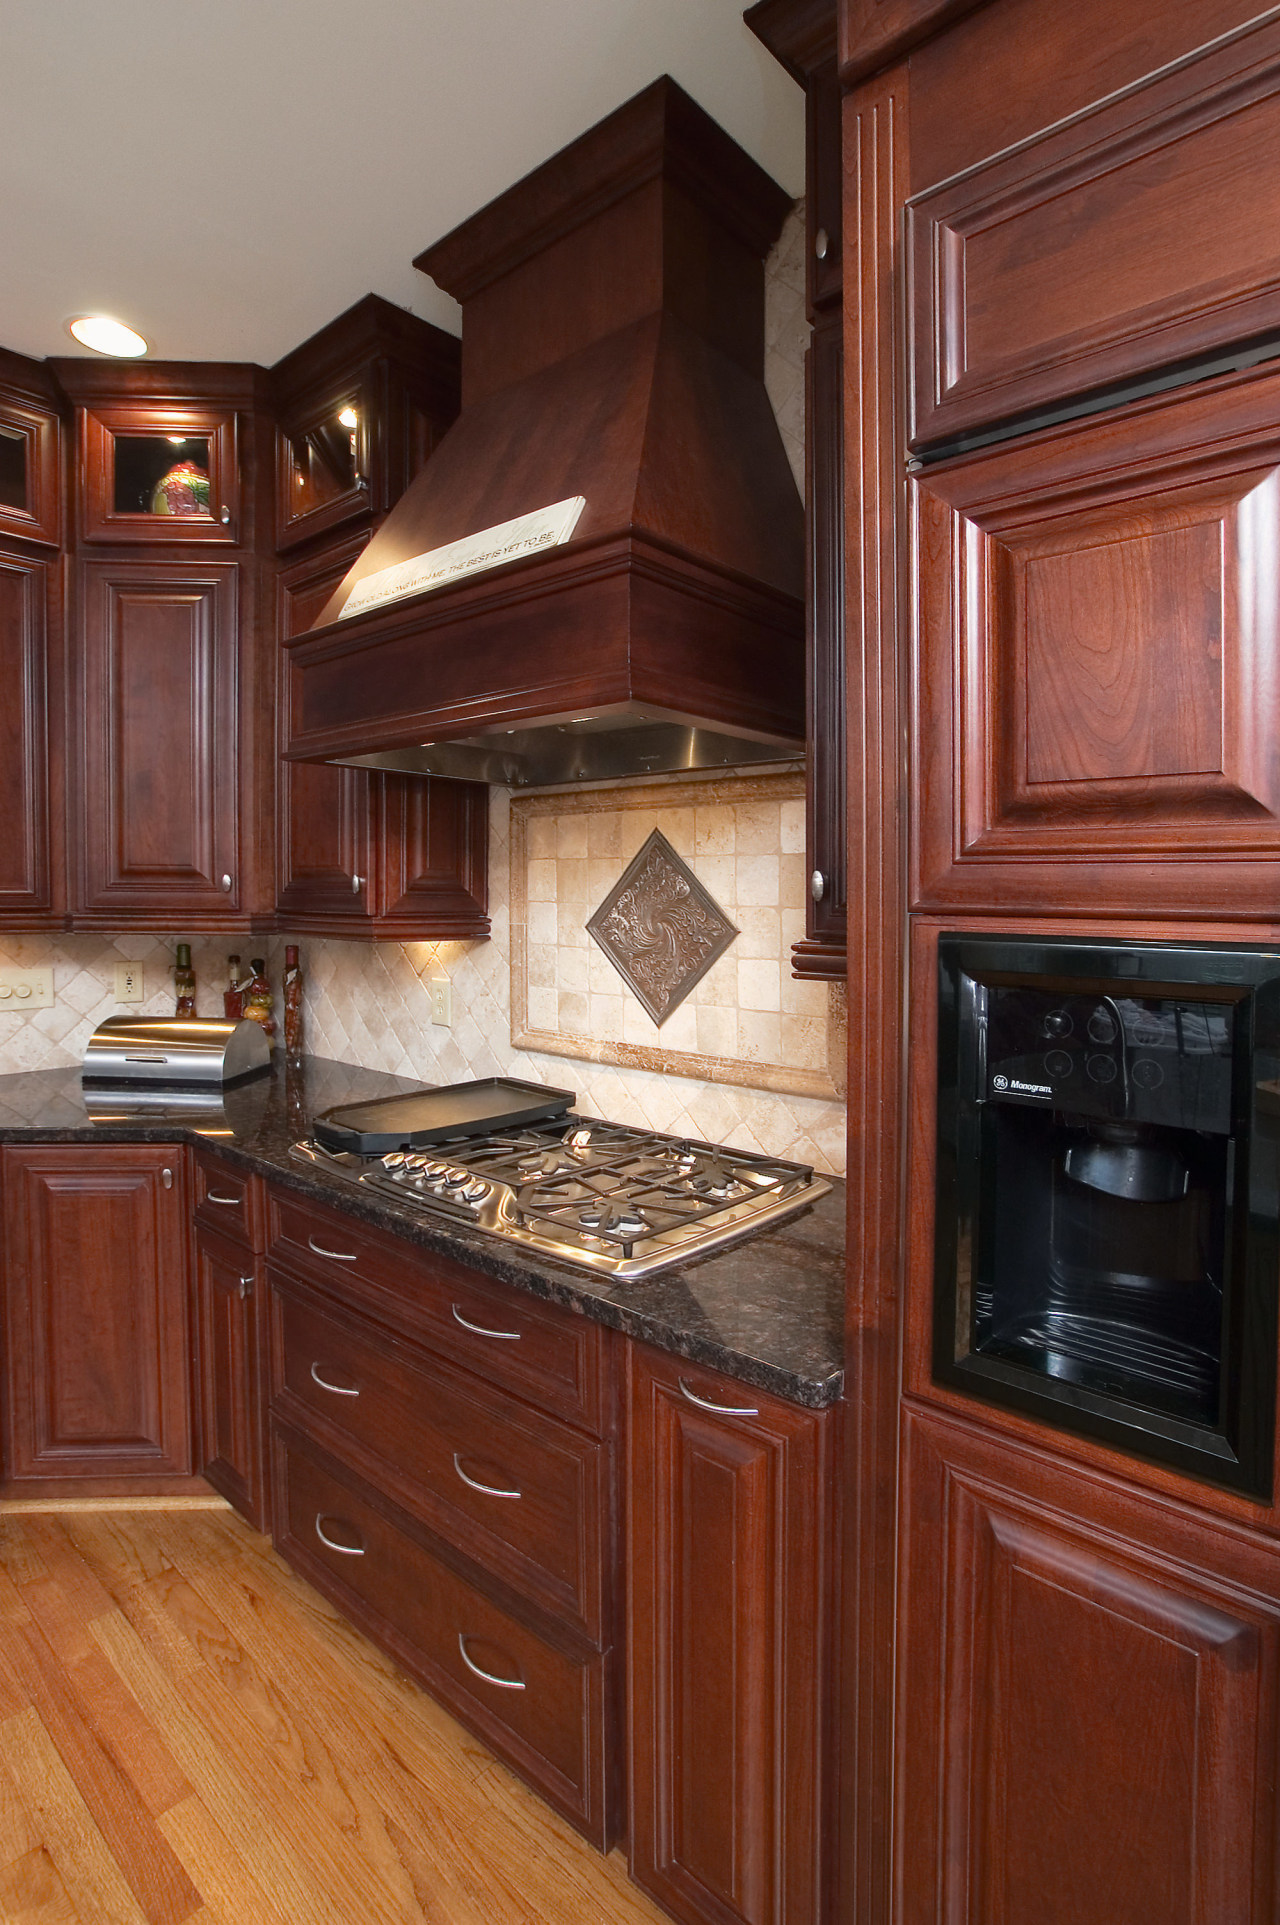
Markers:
(600, 1196)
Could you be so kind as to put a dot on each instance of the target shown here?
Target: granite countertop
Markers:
(767, 1311)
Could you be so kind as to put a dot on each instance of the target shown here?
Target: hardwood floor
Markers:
(188, 1732)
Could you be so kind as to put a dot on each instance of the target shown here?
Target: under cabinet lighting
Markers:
(105, 336)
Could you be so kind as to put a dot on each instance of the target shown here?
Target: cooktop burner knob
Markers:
(452, 1177)
(475, 1189)
(394, 1161)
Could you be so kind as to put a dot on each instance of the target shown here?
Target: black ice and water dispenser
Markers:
(1108, 1147)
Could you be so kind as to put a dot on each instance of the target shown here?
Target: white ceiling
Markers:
(226, 176)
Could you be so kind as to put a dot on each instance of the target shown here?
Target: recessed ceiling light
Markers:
(105, 336)
(349, 418)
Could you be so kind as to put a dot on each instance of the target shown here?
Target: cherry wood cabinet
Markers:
(323, 813)
(229, 1417)
(156, 687)
(729, 1574)
(32, 877)
(801, 34)
(123, 450)
(362, 853)
(1096, 704)
(1060, 1695)
(1135, 236)
(1089, 1725)
(30, 452)
(443, 1469)
(230, 1322)
(360, 406)
(98, 1333)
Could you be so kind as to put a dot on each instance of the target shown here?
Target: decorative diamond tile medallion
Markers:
(660, 928)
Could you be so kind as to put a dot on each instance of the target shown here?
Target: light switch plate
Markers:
(441, 1001)
(129, 985)
(24, 989)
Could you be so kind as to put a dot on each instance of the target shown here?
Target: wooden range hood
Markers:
(613, 348)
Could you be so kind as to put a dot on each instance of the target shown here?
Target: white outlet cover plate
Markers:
(129, 983)
(442, 1001)
(25, 989)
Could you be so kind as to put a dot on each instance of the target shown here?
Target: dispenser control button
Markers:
(1102, 1028)
(1058, 1063)
(1101, 1068)
(1146, 1074)
(1058, 1023)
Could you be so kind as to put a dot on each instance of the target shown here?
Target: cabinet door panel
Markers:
(728, 1562)
(231, 1442)
(97, 1312)
(324, 815)
(1140, 235)
(1097, 704)
(435, 857)
(30, 875)
(159, 811)
(1088, 1687)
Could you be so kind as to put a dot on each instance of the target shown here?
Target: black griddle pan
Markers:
(412, 1121)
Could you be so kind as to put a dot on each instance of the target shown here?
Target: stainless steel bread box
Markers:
(200, 1052)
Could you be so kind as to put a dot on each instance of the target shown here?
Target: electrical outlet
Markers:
(24, 989)
(129, 987)
(441, 1001)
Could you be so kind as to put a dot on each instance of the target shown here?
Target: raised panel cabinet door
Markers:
(1097, 710)
(434, 847)
(1134, 236)
(231, 1446)
(1087, 1698)
(729, 1573)
(158, 686)
(325, 854)
(96, 1276)
(31, 886)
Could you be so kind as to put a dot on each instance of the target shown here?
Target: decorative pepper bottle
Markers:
(233, 994)
(292, 1001)
(184, 982)
(257, 997)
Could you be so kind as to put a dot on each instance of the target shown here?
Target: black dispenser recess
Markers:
(1108, 1154)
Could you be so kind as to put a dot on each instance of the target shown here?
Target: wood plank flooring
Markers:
(188, 1732)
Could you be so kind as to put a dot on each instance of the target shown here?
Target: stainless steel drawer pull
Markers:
(339, 1390)
(503, 1684)
(231, 1202)
(490, 1490)
(507, 1336)
(339, 1256)
(245, 1289)
(347, 1550)
(721, 1410)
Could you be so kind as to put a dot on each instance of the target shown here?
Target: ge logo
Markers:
(999, 1082)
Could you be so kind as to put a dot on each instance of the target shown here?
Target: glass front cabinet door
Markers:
(158, 473)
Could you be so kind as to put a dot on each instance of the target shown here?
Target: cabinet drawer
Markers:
(226, 1201)
(519, 1492)
(540, 1352)
(543, 1711)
